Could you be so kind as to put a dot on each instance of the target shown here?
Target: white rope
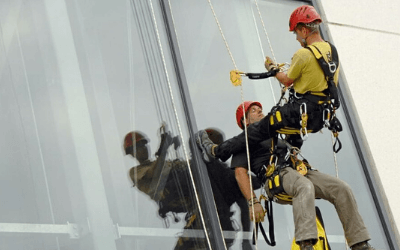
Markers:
(265, 31)
(262, 51)
(222, 34)
(176, 32)
(269, 44)
(244, 116)
(177, 119)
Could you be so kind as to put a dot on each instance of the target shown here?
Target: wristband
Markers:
(253, 201)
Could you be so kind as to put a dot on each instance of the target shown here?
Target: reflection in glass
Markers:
(167, 183)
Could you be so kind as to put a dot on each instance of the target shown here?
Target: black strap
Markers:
(257, 76)
(268, 208)
(329, 69)
(337, 146)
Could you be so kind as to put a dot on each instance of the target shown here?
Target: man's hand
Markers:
(270, 64)
(258, 212)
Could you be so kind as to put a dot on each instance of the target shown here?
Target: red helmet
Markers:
(134, 136)
(303, 14)
(240, 113)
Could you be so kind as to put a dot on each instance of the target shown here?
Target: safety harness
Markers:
(269, 175)
(329, 107)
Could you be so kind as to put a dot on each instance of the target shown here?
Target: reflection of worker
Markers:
(165, 181)
(314, 97)
(168, 183)
(150, 176)
(300, 188)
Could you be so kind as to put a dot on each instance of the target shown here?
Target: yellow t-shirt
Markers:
(306, 72)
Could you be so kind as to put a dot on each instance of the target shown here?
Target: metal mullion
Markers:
(199, 170)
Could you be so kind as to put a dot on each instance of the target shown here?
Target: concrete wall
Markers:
(367, 36)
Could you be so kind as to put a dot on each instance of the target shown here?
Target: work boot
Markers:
(362, 246)
(206, 145)
(306, 245)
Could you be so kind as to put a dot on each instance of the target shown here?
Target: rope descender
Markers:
(236, 77)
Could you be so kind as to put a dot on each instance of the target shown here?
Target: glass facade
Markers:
(96, 118)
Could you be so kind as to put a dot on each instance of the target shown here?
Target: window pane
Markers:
(77, 77)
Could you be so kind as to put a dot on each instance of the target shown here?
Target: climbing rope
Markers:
(244, 113)
(177, 120)
(262, 51)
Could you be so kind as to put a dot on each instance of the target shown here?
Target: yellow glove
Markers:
(270, 64)
(258, 212)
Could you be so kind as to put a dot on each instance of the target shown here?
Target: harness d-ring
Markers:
(332, 67)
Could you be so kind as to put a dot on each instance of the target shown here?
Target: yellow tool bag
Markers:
(322, 243)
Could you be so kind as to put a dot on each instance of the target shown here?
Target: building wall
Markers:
(367, 37)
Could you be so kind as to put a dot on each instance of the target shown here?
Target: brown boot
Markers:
(362, 246)
(306, 245)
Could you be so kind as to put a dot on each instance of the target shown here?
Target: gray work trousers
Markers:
(304, 190)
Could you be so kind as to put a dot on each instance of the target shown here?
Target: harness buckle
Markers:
(332, 67)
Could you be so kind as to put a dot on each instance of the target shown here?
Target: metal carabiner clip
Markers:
(303, 111)
(332, 67)
(271, 158)
(326, 116)
(303, 108)
(304, 135)
(295, 95)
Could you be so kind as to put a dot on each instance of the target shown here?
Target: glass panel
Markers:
(207, 63)
(77, 77)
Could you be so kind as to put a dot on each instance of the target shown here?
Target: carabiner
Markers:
(271, 158)
(326, 117)
(332, 67)
(304, 106)
(304, 135)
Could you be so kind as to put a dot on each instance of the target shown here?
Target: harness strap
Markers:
(329, 68)
(271, 242)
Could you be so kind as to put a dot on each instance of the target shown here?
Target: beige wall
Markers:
(367, 36)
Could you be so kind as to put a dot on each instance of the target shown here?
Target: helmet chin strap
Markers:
(304, 42)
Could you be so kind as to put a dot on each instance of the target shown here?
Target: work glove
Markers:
(166, 141)
(176, 142)
(258, 212)
(270, 65)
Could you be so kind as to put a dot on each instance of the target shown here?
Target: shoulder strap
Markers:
(329, 68)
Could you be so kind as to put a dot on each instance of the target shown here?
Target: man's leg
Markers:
(302, 191)
(341, 196)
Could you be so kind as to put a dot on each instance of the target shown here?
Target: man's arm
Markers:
(244, 184)
(284, 79)
(243, 181)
